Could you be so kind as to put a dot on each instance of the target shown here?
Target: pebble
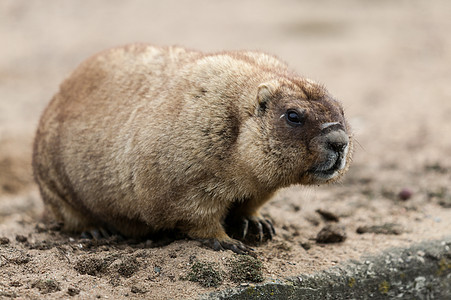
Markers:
(4, 241)
(331, 233)
(387, 228)
(72, 291)
(405, 194)
(328, 215)
(21, 238)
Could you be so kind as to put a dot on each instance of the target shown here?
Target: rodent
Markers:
(141, 139)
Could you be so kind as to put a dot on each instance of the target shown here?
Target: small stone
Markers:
(4, 241)
(445, 201)
(46, 286)
(327, 215)
(40, 227)
(331, 233)
(21, 238)
(138, 290)
(72, 291)
(295, 207)
(405, 194)
(306, 245)
(387, 228)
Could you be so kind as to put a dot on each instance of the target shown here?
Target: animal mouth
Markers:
(330, 167)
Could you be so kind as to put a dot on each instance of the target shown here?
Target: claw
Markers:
(85, 235)
(105, 233)
(245, 228)
(253, 229)
(215, 244)
(259, 229)
(272, 226)
(269, 228)
(236, 249)
(230, 244)
(96, 234)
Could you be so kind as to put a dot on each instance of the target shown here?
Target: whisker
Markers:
(360, 145)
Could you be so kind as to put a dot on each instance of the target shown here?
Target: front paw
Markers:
(250, 229)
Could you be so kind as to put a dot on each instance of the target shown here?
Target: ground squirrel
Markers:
(141, 139)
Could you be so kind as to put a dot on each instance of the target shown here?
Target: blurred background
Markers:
(389, 62)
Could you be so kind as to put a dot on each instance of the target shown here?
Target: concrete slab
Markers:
(421, 271)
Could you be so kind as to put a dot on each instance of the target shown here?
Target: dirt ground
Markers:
(388, 61)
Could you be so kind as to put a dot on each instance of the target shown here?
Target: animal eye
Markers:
(294, 118)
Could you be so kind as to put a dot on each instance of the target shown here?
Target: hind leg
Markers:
(63, 212)
(77, 219)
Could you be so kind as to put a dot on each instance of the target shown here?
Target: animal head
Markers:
(304, 136)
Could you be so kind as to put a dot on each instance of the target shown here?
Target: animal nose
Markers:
(337, 141)
(337, 146)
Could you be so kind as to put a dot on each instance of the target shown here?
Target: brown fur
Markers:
(142, 139)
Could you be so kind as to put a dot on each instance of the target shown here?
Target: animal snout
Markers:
(336, 138)
(333, 149)
(337, 142)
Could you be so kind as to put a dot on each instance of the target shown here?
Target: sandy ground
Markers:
(388, 61)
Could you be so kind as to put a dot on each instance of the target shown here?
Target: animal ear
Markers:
(265, 93)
